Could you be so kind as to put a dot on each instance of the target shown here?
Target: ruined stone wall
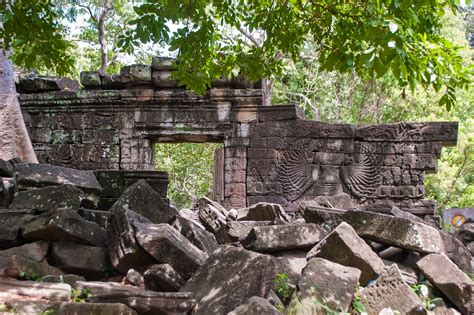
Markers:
(270, 153)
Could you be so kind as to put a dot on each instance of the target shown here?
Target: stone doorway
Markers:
(195, 170)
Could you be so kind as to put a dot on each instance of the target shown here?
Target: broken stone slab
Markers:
(273, 238)
(41, 175)
(407, 234)
(142, 199)
(167, 245)
(163, 278)
(149, 302)
(68, 308)
(36, 251)
(231, 276)
(390, 291)
(397, 212)
(326, 282)
(329, 218)
(409, 274)
(345, 247)
(124, 251)
(238, 230)
(102, 218)
(35, 84)
(90, 80)
(201, 238)
(450, 280)
(47, 198)
(64, 225)
(100, 287)
(213, 216)
(255, 306)
(262, 211)
(88, 261)
(46, 291)
(21, 267)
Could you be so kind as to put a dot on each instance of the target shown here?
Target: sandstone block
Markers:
(46, 291)
(195, 233)
(262, 211)
(163, 278)
(90, 79)
(66, 308)
(255, 306)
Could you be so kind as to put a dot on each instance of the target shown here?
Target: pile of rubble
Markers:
(60, 255)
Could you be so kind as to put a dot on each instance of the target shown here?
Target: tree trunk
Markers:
(267, 87)
(102, 41)
(14, 138)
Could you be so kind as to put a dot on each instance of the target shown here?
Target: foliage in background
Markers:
(349, 98)
(191, 170)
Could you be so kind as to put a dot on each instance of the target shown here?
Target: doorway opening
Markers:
(195, 170)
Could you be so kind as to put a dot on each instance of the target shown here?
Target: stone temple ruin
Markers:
(308, 217)
(270, 154)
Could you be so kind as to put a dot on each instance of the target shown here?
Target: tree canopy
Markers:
(256, 38)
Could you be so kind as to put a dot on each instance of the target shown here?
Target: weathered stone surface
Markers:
(149, 302)
(275, 238)
(262, 211)
(136, 75)
(167, 245)
(64, 225)
(163, 278)
(7, 191)
(134, 278)
(327, 217)
(201, 238)
(238, 230)
(36, 251)
(102, 218)
(65, 308)
(21, 267)
(41, 175)
(409, 274)
(407, 234)
(7, 167)
(47, 198)
(448, 278)
(79, 259)
(142, 199)
(255, 306)
(213, 217)
(69, 279)
(162, 79)
(466, 233)
(230, 277)
(90, 79)
(99, 287)
(327, 282)
(124, 251)
(46, 291)
(18, 306)
(390, 291)
(10, 226)
(112, 82)
(163, 63)
(397, 212)
(345, 247)
(32, 84)
(396, 231)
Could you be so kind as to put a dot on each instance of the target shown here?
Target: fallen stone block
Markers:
(36, 251)
(326, 282)
(102, 218)
(100, 287)
(345, 247)
(212, 216)
(112, 82)
(229, 277)
(201, 238)
(35, 84)
(134, 278)
(21, 267)
(450, 280)
(255, 306)
(47, 198)
(239, 230)
(7, 191)
(124, 251)
(90, 79)
(327, 217)
(149, 302)
(8, 167)
(407, 234)
(46, 291)
(25, 307)
(41, 175)
(88, 261)
(10, 227)
(167, 245)
(135, 75)
(163, 278)
(66, 308)
(262, 211)
(142, 199)
(275, 238)
(64, 225)
(466, 233)
(390, 291)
